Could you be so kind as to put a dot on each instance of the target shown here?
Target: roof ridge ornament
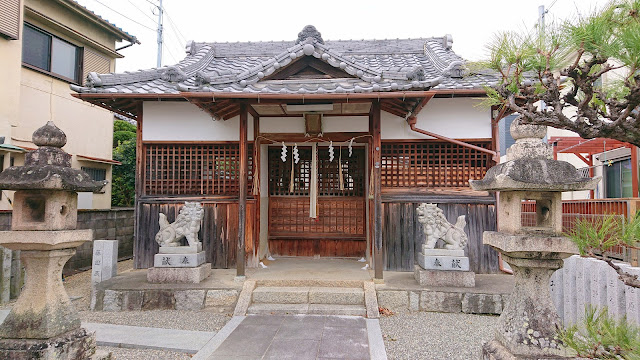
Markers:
(309, 31)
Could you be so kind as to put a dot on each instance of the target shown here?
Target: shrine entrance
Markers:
(339, 226)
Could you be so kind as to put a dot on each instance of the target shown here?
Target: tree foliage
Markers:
(602, 337)
(596, 237)
(123, 177)
(564, 65)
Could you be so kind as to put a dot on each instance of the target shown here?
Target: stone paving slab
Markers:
(137, 337)
(300, 337)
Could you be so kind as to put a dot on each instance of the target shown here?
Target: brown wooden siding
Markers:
(403, 237)
(218, 232)
(432, 163)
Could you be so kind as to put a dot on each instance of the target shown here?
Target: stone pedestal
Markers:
(529, 322)
(443, 267)
(180, 264)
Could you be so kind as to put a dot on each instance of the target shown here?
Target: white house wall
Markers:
(182, 121)
(282, 125)
(458, 118)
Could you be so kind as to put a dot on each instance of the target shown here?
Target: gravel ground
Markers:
(166, 319)
(436, 336)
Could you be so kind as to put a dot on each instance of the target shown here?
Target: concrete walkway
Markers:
(257, 337)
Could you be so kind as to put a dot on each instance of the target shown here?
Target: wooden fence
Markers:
(590, 209)
(402, 234)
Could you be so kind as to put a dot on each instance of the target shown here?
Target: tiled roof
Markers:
(370, 66)
(91, 14)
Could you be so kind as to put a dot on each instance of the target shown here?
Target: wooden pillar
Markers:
(242, 199)
(634, 171)
(377, 197)
(139, 189)
(256, 174)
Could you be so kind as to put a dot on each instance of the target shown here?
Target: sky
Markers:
(471, 23)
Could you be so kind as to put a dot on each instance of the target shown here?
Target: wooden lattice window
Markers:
(328, 174)
(432, 164)
(194, 169)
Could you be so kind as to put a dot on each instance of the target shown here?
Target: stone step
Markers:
(317, 309)
(311, 295)
(281, 295)
(338, 296)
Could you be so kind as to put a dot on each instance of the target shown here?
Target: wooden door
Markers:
(339, 229)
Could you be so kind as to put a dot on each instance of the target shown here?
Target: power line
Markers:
(124, 16)
(175, 27)
(143, 13)
(553, 3)
(170, 53)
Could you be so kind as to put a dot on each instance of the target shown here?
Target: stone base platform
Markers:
(494, 350)
(74, 345)
(444, 277)
(191, 275)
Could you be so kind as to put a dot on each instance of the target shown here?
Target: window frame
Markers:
(79, 65)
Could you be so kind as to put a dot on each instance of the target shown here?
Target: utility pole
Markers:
(541, 14)
(160, 11)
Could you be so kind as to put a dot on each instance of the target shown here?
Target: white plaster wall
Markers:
(182, 121)
(345, 124)
(458, 118)
(282, 125)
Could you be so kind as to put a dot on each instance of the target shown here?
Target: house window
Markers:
(96, 174)
(617, 177)
(51, 54)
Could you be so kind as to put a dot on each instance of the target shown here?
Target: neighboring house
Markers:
(374, 123)
(44, 47)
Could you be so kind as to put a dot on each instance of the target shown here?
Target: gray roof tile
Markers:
(376, 65)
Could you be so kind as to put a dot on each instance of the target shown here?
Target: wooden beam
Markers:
(585, 160)
(242, 201)
(139, 182)
(377, 197)
(421, 104)
(253, 113)
(256, 175)
(300, 138)
(634, 171)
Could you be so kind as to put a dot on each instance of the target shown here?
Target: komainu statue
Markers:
(436, 227)
(187, 225)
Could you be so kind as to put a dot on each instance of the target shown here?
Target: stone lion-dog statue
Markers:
(436, 227)
(187, 225)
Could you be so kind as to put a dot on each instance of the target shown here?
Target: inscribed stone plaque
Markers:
(449, 263)
(179, 260)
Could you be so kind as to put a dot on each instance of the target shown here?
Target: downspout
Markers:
(411, 120)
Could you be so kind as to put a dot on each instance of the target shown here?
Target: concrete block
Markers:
(179, 260)
(557, 291)
(598, 288)
(481, 303)
(132, 300)
(394, 299)
(371, 300)
(112, 300)
(448, 263)
(583, 287)
(179, 275)
(158, 300)
(441, 301)
(281, 309)
(616, 299)
(221, 298)
(189, 299)
(414, 301)
(105, 259)
(444, 278)
(336, 295)
(569, 291)
(337, 309)
(633, 298)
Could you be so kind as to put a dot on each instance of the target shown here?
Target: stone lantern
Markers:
(528, 324)
(43, 324)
